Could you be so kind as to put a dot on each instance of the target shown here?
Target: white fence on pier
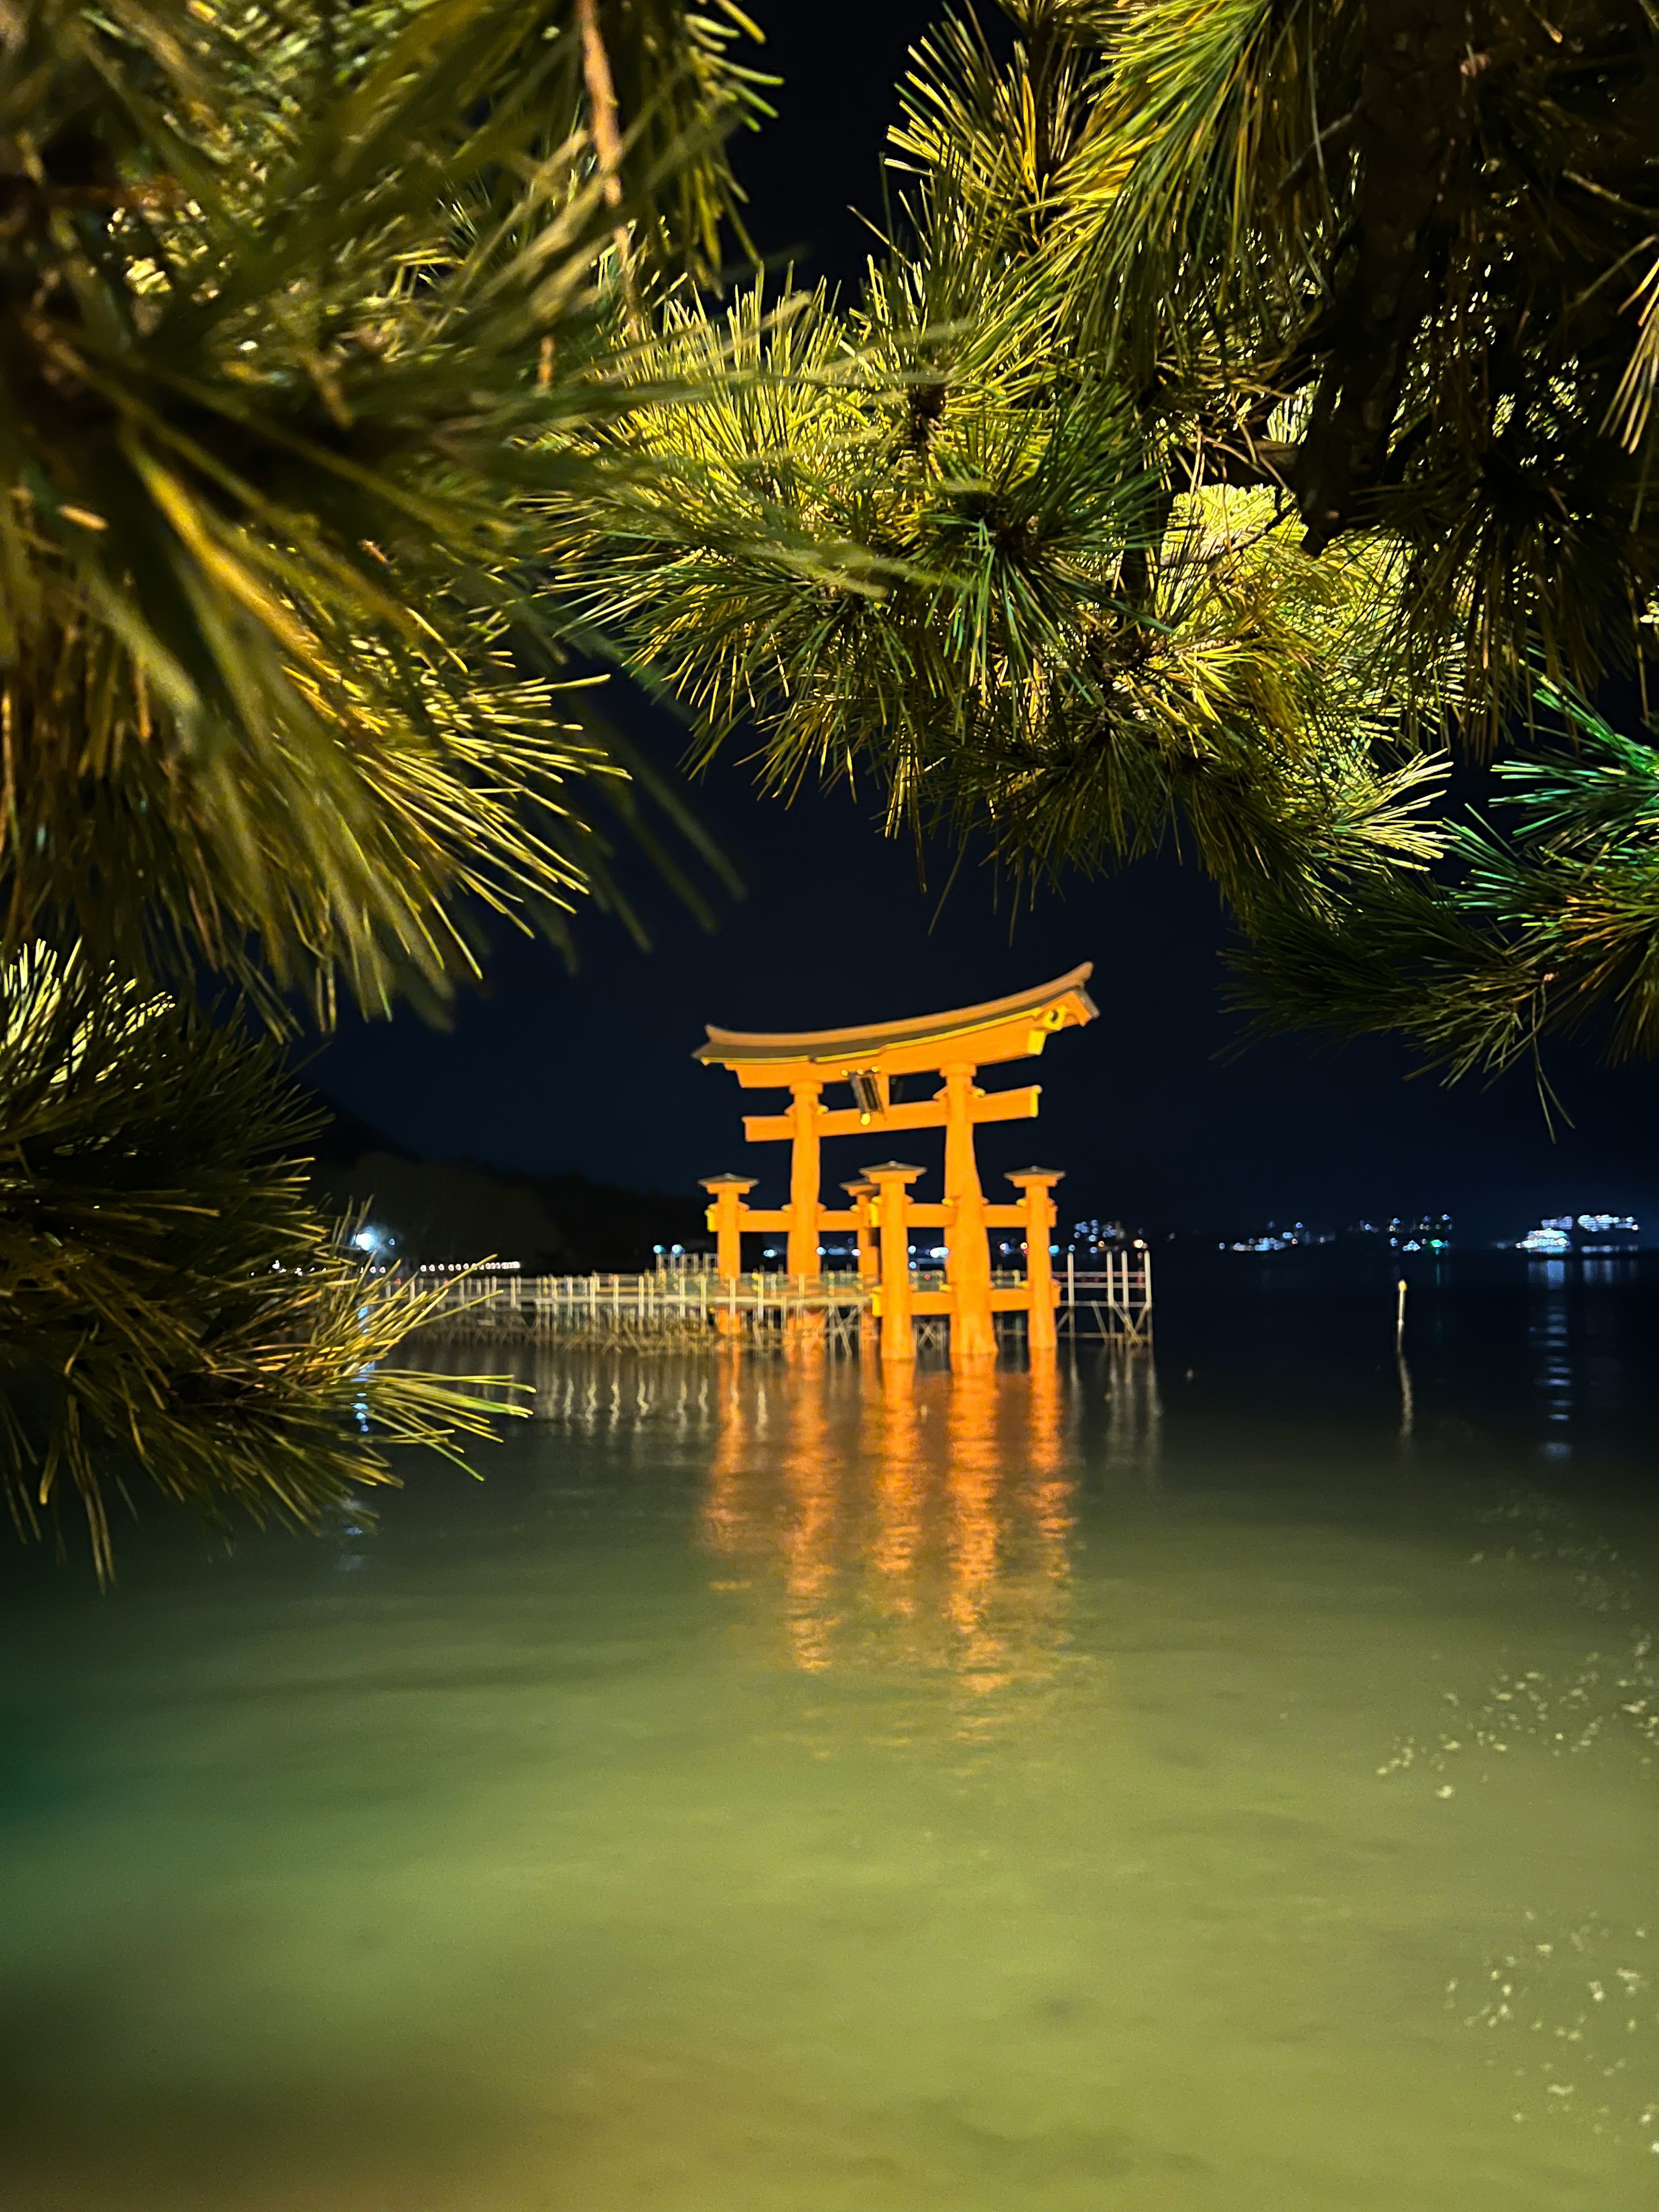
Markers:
(680, 1306)
(1113, 1300)
(672, 1304)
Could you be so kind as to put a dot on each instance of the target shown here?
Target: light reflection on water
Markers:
(937, 1542)
(784, 1786)
(1552, 1367)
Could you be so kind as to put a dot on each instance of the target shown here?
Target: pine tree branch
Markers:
(172, 1308)
(1407, 123)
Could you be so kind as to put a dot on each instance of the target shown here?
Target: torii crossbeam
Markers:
(955, 1045)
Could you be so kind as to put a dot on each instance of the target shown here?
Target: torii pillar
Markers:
(726, 1219)
(968, 1247)
(892, 1182)
(863, 1193)
(802, 1257)
(1035, 1186)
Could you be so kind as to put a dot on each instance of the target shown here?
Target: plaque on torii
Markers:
(954, 1046)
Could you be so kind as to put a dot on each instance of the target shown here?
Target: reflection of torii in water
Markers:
(955, 1045)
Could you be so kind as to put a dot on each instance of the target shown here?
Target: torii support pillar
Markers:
(863, 1193)
(1034, 1186)
(969, 1264)
(802, 1258)
(726, 1219)
(892, 1182)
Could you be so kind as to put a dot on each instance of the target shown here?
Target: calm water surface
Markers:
(1219, 1785)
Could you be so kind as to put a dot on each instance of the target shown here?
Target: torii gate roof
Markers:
(1013, 1028)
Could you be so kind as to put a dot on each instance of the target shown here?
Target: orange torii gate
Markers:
(955, 1046)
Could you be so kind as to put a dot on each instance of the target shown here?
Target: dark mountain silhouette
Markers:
(434, 1211)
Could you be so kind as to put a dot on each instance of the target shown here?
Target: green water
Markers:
(775, 1792)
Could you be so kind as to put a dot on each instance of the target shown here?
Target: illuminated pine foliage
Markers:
(931, 543)
(1550, 926)
(1252, 399)
(299, 307)
(294, 307)
(171, 1306)
(1401, 257)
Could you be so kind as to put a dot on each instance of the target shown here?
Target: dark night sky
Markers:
(1150, 1117)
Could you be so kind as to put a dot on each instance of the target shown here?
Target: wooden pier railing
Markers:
(678, 1306)
(671, 1304)
(1112, 1299)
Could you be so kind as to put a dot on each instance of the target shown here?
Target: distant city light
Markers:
(1098, 1233)
(1560, 1232)
(1425, 1233)
(1276, 1239)
(370, 1239)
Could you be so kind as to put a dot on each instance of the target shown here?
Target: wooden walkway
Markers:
(676, 1307)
